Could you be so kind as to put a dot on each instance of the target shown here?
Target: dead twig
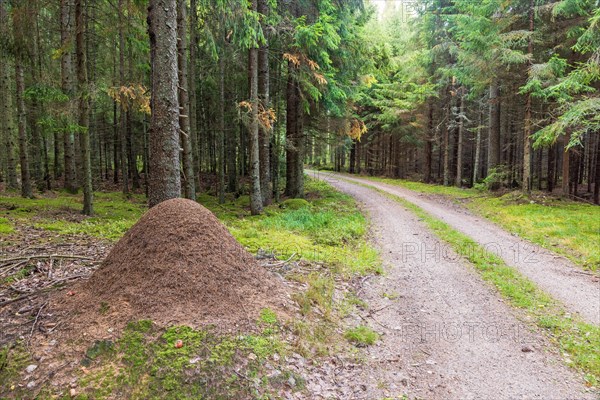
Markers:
(42, 256)
(37, 317)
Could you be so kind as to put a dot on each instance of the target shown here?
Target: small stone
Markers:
(31, 385)
(195, 360)
(31, 368)
(291, 381)
(73, 392)
(526, 349)
(252, 356)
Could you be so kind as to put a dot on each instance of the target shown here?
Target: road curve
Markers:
(446, 333)
(577, 290)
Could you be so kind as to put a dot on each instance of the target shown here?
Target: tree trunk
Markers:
(566, 165)
(494, 128)
(263, 93)
(597, 172)
(164, 181)
(222, 132)
(428, 146)
(527, 181)
(446, 135)
(192, 91)
(256, 200)
(477, 149)
(66, 72)
(19, 36)
(84, 116)
(6, 107)
(122, 113)
(292, 122)
(459, 146)
(189, 188)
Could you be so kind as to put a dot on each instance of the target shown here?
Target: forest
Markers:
(311, 199)
(497, 94)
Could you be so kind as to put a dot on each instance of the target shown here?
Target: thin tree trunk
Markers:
(164, 181)
(256, 199)
(527, 181)
(566, 165)
(263, 93)
(477, 149)
(18, 27)
(6, 107)
(222, 128)
(84, 112)
(446, 135)
(184, 105)
(494, 128)
(429, 145)
(66, 71)
(291, 186)
(597, 172)
(192, 91)
(459, 148)
(122, 114)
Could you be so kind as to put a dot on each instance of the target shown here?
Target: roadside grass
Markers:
(578, 341)
(569, 228)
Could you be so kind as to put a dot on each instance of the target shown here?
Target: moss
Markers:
(13, 359)
(294, 204)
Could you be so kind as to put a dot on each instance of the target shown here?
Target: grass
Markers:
(362, 336)
(61, 212)
(577, 339)
(569, 228)
(329, 228)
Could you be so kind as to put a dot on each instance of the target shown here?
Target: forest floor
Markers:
(427, 326)
(316, 247)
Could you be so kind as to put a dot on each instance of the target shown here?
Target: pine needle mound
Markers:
(178, 265)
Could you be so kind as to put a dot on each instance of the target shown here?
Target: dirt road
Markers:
(557, 276)
(446, 333)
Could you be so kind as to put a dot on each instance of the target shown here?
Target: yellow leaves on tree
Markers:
(353, 128)
(266, 116)
(299, 59)
(131, 97)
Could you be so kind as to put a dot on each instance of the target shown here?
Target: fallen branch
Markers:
(42, 256)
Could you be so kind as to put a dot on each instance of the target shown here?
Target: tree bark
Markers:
(222, 131)
(122, 113)
(527, 184)
(189, 187)
(477, 149)
(494, 128)
(292, 117)
(19, 36)
(428, 146)
(263, 93)
(66, 72)
(192, 91)
(256, 199)
(597, 172)
(459, 146)
(566, 169)
(164, 181)
(6, 107)
(84, 106)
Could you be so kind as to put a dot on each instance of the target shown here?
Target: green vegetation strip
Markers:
(566, 227)
(578, 341)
